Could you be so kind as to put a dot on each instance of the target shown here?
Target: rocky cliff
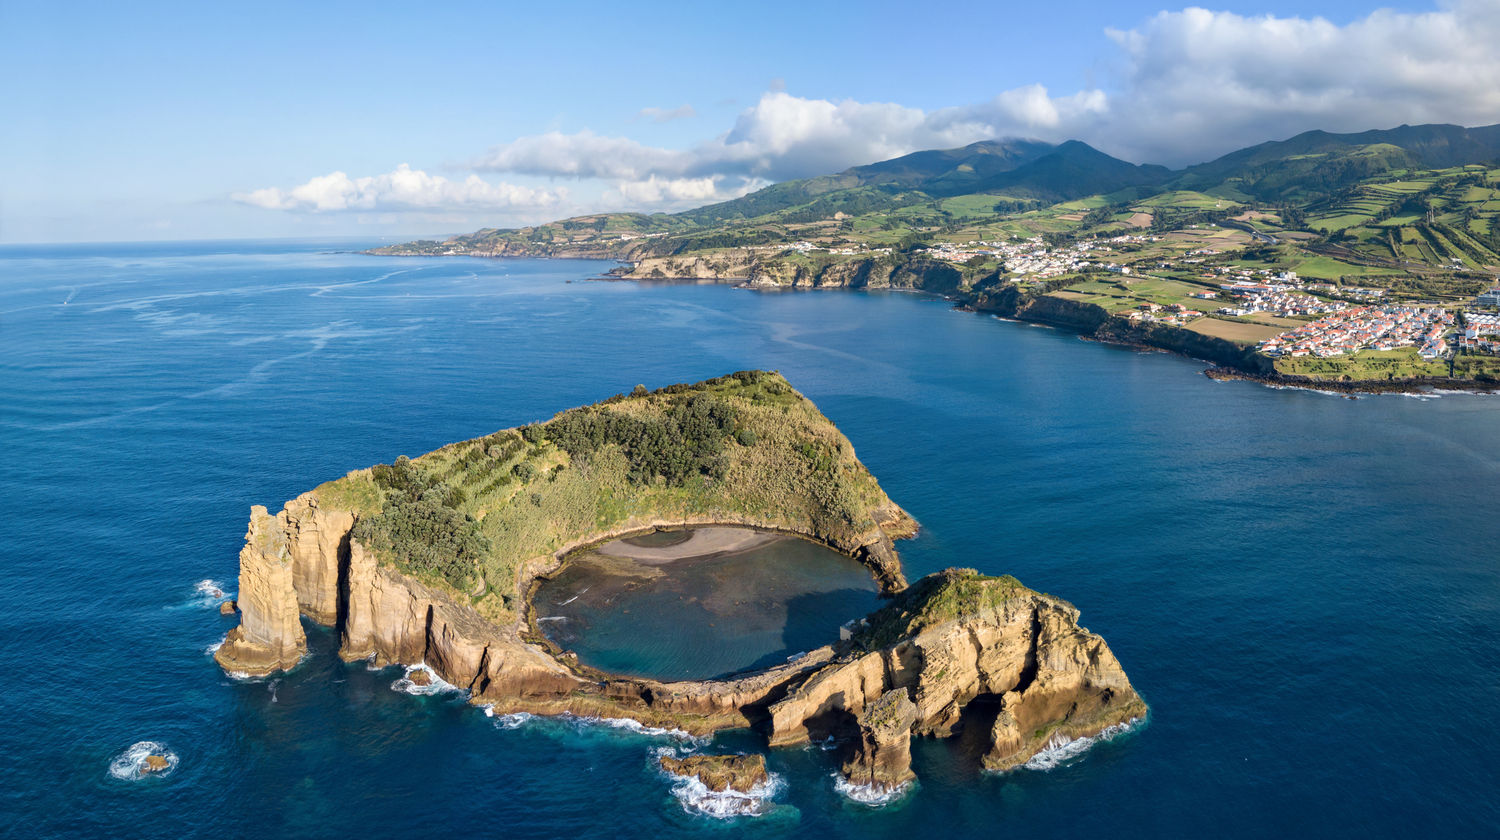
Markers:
(941, 646)
(882, 759)
(288, 567)
(958, 637)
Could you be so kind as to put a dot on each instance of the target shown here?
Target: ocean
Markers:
(1305, 588)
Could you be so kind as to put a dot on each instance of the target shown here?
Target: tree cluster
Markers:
(684, 441)
(420, 528)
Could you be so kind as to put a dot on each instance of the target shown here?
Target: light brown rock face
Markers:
(913, 667)
(882, 761)
(317, 540)
(739, 773)
(269, 637)
(392, 618)
(956, 637)
(288, 567)
(154, 764)
(952, 639)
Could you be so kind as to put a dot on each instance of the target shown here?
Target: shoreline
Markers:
(1105, 333)
(706, 541)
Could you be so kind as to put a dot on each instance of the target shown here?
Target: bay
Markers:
(1305, 588)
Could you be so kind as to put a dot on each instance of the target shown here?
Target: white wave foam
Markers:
(436, 684)
(1061, 749)
(696, 797)
(514, 720)
(636, 727)
(871, 795)
(127, 765)
(209, 593)
(214, 648)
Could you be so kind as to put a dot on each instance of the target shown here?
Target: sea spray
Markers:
(435, 684)
(206, 594)
(697, 798)
(1060, 749)
(873, 796)
(127, 765)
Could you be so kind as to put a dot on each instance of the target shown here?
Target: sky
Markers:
(147, 121)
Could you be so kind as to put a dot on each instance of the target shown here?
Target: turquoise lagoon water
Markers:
(1305, 588)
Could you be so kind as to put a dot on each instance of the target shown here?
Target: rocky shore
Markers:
(912, 668)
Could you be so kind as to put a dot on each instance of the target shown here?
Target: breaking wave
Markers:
(435, 685)
(636, 727)
(127, 765)
(590, 722)
(1061, 749)
(870, 795)
(696, 797)
(514, 720)
(209, 594)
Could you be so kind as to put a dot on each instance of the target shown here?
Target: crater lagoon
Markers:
(701, 603)
(1305, 588)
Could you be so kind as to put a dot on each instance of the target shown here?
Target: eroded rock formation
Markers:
(882, 760)
(957, 637)
(718, 773)
(913, 667)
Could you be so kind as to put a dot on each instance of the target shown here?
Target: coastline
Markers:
(1225, 360)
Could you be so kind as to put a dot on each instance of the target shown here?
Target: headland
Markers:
(434, 560)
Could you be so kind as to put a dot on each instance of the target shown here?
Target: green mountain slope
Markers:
(1422, 199)
(1317, 163)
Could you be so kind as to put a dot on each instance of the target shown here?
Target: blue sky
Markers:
(177, 121)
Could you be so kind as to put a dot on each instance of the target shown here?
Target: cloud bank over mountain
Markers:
(1183, 87)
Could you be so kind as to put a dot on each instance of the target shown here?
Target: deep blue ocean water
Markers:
(1305, 588)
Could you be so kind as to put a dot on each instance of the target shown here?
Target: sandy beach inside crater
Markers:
(702, 542)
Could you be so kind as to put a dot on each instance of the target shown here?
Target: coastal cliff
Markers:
(958, 637)
(353, 554)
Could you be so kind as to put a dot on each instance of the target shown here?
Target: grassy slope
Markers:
(533, 499)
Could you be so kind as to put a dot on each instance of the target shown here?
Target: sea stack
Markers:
(882, 760)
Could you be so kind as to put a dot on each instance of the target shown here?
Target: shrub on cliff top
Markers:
(944, 596)
(685, 440)
(420, 528)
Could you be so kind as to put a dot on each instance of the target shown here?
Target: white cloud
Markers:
(402, 189)
(655, 190)
(1183, 87)
(665, 115)
(1198, 83)
(677, 193)
(1187, 86)
(784, 136)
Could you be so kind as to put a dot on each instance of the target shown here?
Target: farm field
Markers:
(1240, 332)
(1120, 295)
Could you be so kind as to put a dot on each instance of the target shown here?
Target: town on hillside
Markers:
(1295, 317)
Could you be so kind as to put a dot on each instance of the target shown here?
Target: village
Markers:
(1367, 327)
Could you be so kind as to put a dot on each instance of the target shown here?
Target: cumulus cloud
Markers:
(1186, 86)
(1198, 83)
(675, 193)
(1180, 88)
(665, 115)
(402, 189)
(784, 136)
